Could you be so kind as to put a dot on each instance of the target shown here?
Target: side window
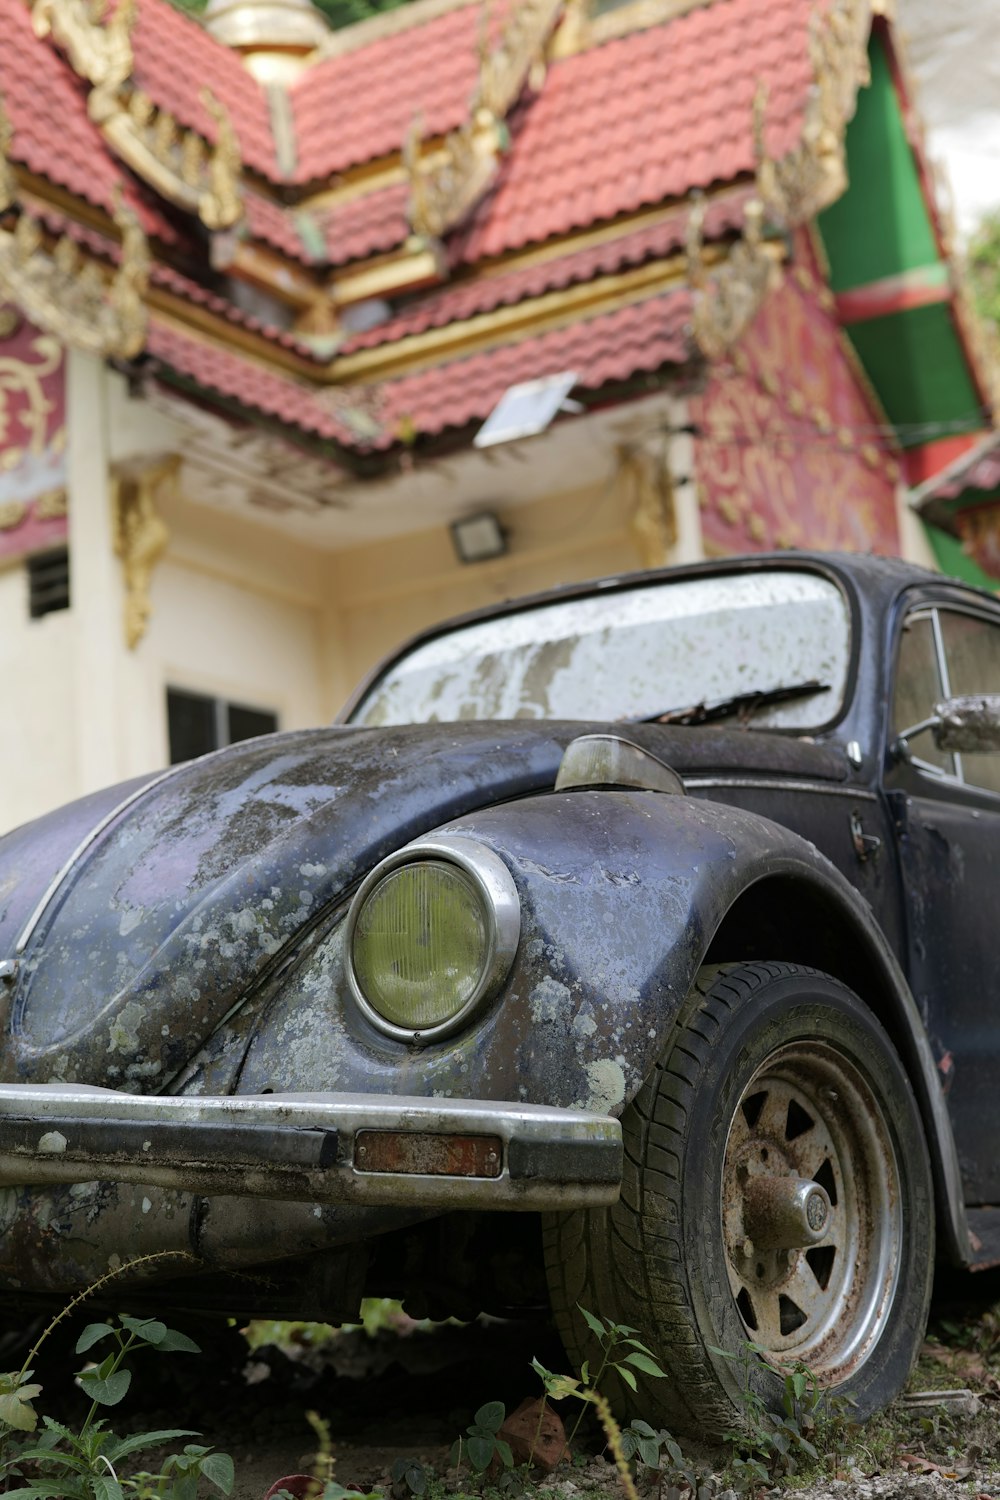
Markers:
(918, 688)
(972, 652)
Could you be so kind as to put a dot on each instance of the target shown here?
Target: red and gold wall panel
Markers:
(791, 451)
(32, 438)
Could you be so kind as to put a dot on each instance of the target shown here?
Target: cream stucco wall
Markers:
(38, 748)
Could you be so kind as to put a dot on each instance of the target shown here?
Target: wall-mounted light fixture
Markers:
(478, 538)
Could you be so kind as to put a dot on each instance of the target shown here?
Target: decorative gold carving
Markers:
(648, 488)
(64, 293)
(504, 71)
(178, 163)
(442, 194)
(51, 506)
(140, 537)
(99, 51)
(203, 179)
(814, 173)
(445, 186)
(12, 513)
(726, 302)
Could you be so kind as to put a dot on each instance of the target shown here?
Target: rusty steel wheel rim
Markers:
(811, 1217)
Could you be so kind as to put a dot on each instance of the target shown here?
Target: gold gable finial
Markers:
(813, 173)
(99, 51)
(448, 183)
(220, 204)
(65, 293)
(727, 301)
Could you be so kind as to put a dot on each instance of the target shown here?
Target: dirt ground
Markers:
(411, 1394)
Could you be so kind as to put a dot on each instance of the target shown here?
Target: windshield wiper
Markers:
(743, 704)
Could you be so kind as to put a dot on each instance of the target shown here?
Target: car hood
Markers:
(195, 889)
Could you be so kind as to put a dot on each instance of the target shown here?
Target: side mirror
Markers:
(968, 725)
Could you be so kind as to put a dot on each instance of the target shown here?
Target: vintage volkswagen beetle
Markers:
(711, 853)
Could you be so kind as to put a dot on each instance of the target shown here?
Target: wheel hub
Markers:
(810, 1210)
(785, 1213)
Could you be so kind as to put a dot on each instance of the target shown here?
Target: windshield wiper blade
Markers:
(739, 703)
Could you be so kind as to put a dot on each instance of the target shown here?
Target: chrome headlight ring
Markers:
(493, 884)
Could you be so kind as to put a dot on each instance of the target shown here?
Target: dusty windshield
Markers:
(732, 644)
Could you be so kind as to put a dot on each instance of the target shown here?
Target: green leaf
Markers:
(177, 1343)
(480, 1453)
(139, 1440)
(646, 1365)
(16, 1409)
(149, 1329)
(57, 1489)
(649, 1452)
(628, 1377)
(506, 1456)
(585, 1372)
(106, 1487)
(491, 1416)
(455, 1456)
(108, 1389)
(643, 1428)
(218, 1470)
(561, 1386)
(91, 1335)
(594, 1324)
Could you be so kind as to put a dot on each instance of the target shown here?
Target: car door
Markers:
(947, 821)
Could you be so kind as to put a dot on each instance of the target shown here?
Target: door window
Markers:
(972, 653)
(945, 654)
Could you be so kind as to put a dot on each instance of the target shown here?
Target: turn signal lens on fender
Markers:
(421, 944)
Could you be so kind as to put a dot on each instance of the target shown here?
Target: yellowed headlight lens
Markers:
(421, 944)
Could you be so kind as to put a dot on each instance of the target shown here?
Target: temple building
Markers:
(310, 338)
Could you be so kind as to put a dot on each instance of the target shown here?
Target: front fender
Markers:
(621, 894)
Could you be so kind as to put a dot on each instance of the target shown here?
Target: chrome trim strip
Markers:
(501, 904)
(300, 1147)
(780, 784)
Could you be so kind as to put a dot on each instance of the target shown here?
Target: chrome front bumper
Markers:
(364, 1149)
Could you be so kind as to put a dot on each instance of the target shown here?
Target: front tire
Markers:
(776, 1191)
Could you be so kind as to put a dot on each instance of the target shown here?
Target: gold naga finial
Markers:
(220, 205)
(727, 300)
(448, 183)
(99, 49)
(63, 291)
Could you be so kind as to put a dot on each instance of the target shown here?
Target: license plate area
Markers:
(426, 1154)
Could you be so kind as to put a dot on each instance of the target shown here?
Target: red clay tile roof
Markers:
(636, 339)
(358, 107)
(368, 225)
(53, 136)
(175, 58)
(245, 381)
(646, 119)
(453, 304)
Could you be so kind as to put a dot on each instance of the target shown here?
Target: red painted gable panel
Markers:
(791, 452)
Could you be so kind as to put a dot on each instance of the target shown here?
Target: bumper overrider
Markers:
(313, 1148)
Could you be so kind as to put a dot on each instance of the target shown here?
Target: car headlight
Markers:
(431, 934)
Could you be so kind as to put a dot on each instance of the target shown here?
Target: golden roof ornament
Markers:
(98, 50)
(178, 163)
(61, 290)
(448, 182)
(814, 173)
(727, 301)
(275, 37)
